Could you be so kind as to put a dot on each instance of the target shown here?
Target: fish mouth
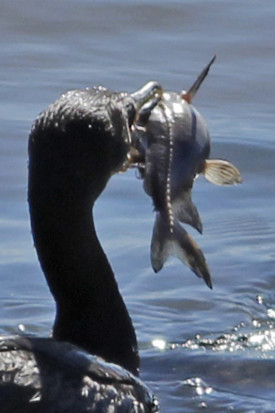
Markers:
(150, 94)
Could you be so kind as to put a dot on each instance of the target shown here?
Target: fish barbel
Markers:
(172, 139)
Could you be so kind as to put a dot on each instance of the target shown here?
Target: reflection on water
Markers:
(201, 350)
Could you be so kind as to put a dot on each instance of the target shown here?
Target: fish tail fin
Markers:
(176, 241)
(160, 243)
(221, 172)
(185, 211)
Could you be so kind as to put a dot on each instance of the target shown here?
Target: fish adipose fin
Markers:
(177, 242)
(221, 172)
(185, 211)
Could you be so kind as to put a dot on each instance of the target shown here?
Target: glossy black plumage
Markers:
(74, 147)
(43, 375)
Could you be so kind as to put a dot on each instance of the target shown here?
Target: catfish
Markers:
(172, 144)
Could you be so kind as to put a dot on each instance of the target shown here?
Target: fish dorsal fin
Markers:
(188, 96)
(221, 172)
(185, 211)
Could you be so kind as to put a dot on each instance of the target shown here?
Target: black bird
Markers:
(91, 363)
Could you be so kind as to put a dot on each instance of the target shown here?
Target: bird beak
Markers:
(151, 91)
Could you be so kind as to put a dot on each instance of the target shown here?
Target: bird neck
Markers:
(90, 311)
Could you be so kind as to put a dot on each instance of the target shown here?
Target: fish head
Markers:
(190, 137)
(174, 122)
(174, 128)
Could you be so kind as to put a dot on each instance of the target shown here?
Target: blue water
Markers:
(216, 349)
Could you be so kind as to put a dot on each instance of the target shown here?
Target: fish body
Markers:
(177, 144)
(174, 140)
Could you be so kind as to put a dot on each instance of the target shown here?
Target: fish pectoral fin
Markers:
(221, 172)
(177, 242)
(185, 211)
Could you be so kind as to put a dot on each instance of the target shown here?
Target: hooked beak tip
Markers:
(149, 91)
